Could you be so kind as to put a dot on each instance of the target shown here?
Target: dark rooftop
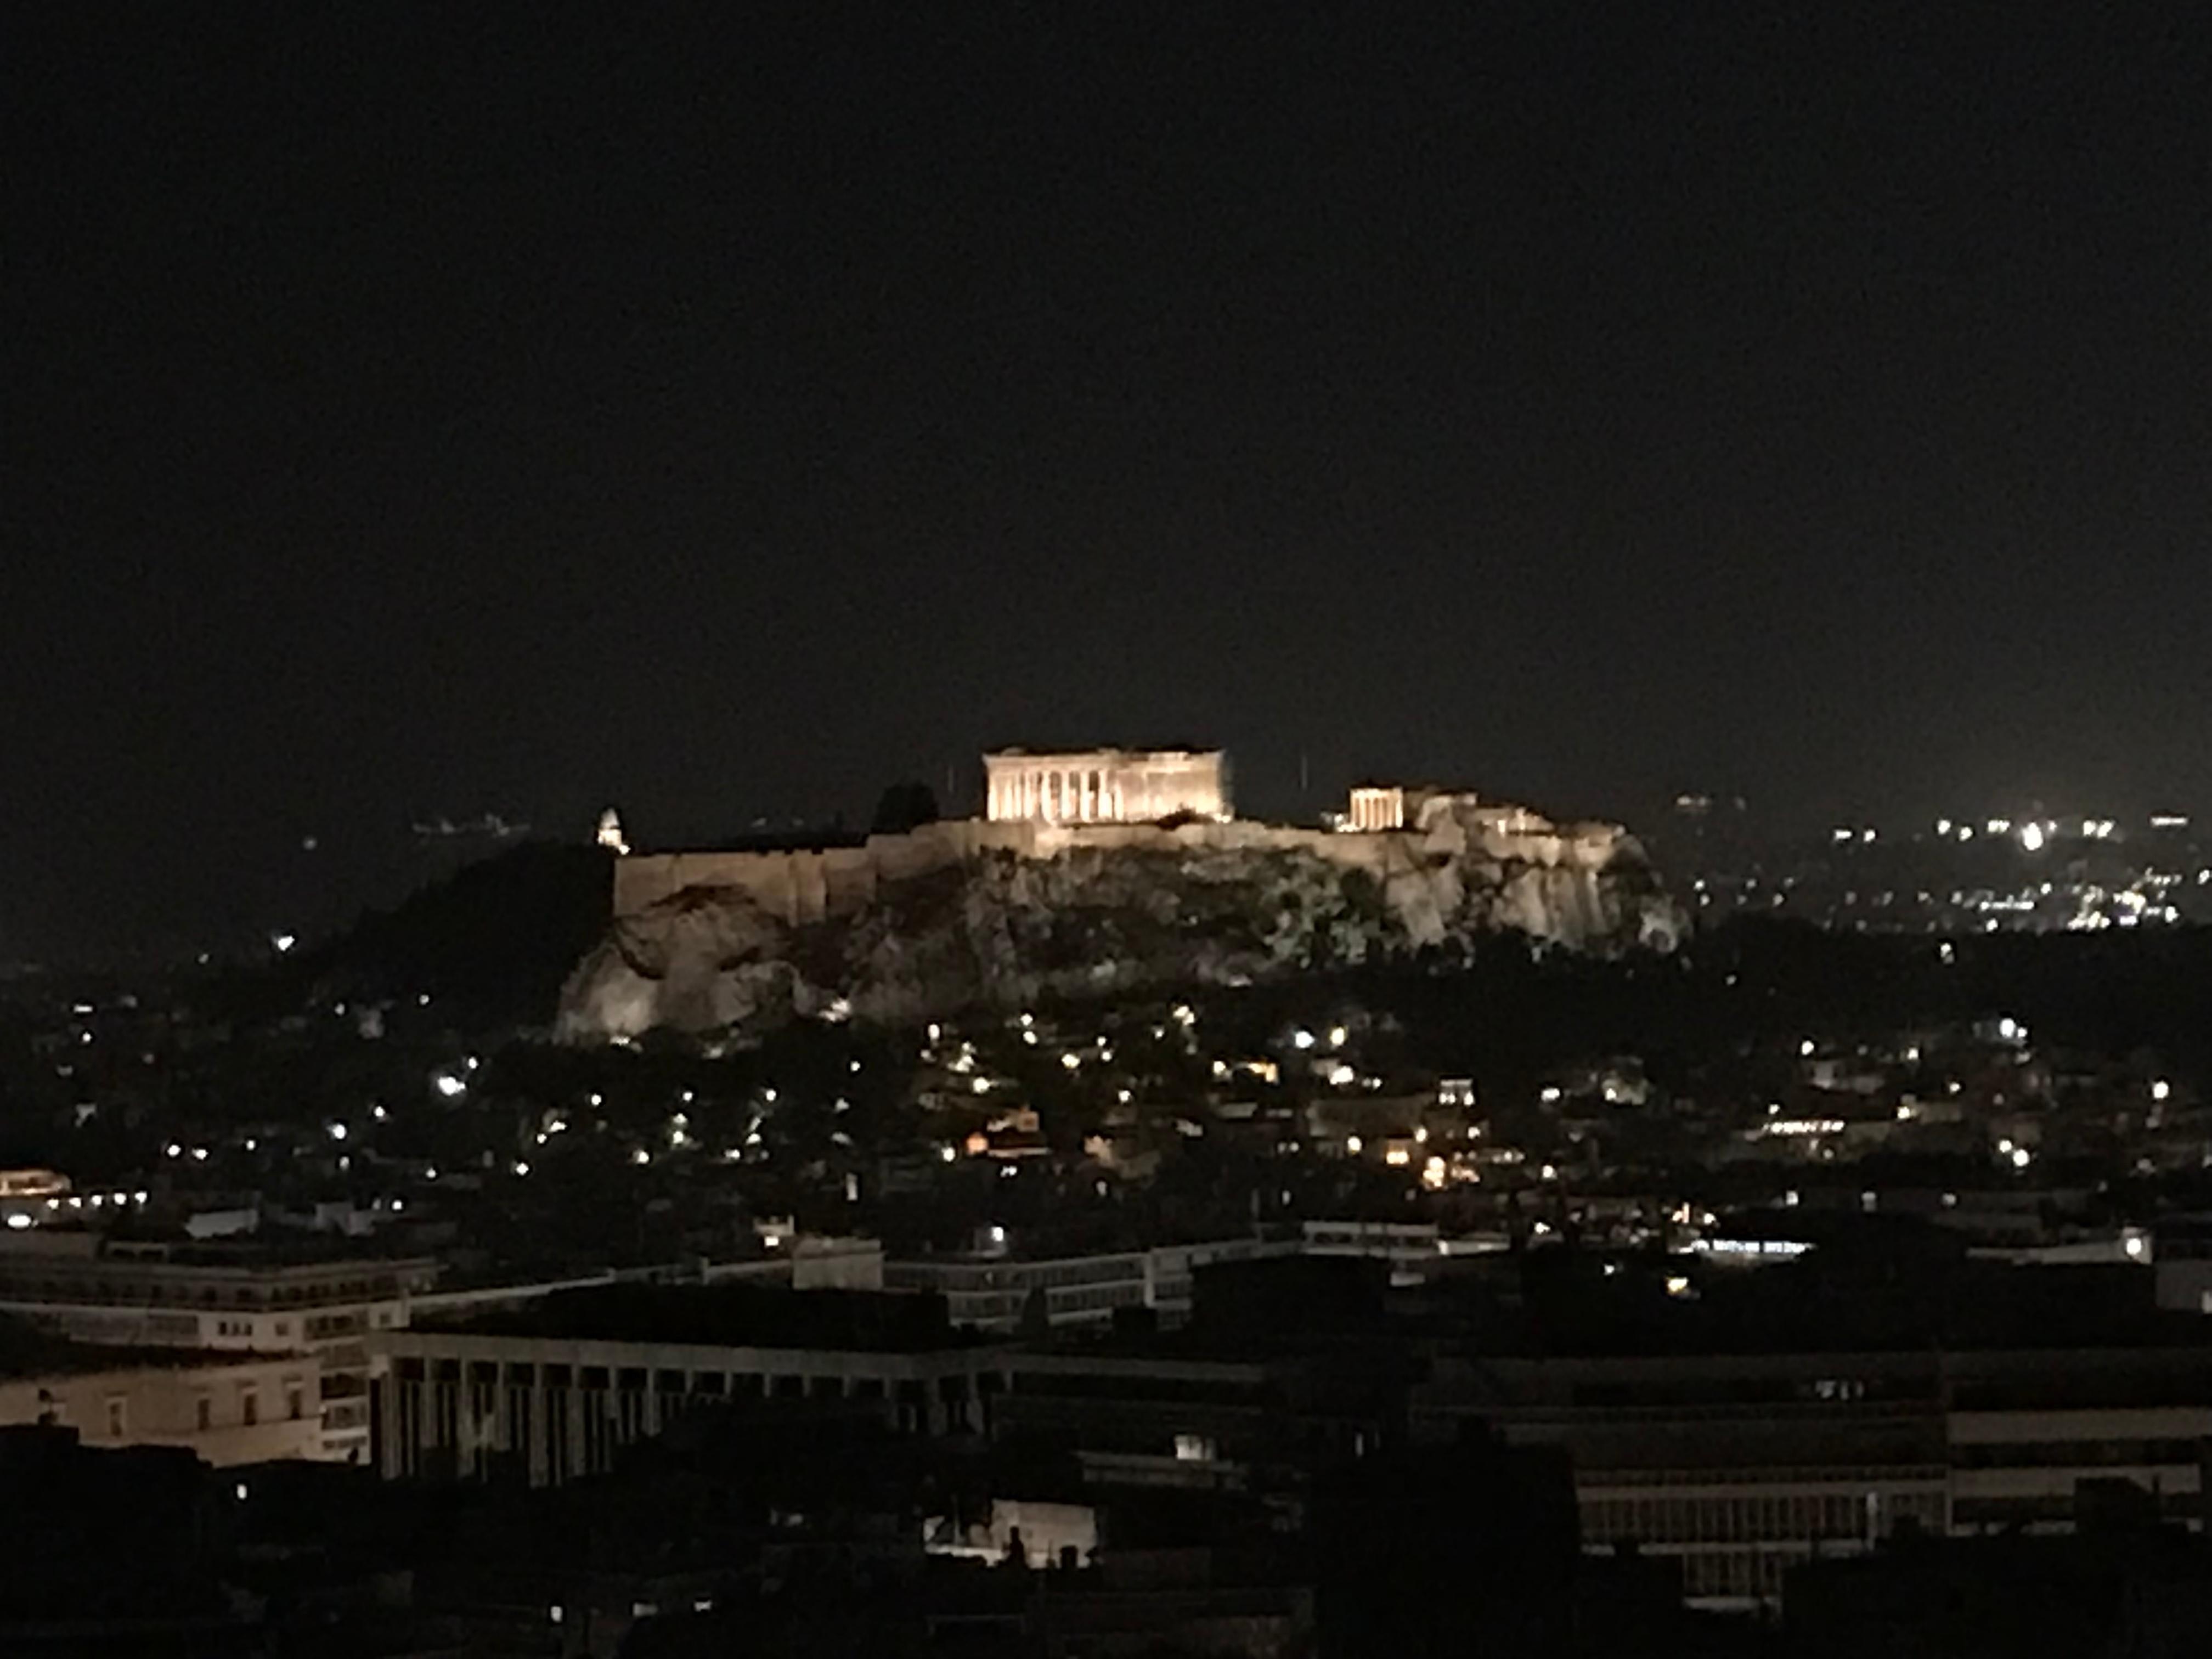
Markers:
(866, 1322)
(28, 1351)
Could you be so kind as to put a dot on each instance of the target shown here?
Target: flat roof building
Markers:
(225, 1408)
(221, 1298)
(994, 1292)
(555, 1390)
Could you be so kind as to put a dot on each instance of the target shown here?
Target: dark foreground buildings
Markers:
(1882, 1447)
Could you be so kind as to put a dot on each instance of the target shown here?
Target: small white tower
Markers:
(610, 834)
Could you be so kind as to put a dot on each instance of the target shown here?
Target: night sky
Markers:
(436, 411)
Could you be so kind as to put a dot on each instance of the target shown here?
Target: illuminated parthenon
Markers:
(1106, 786)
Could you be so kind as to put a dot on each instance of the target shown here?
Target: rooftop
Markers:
(27, 1352)
(727, 1315)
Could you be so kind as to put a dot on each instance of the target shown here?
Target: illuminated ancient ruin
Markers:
(1106, 786)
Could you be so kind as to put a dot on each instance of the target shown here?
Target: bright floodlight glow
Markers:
(337, 1132)
(283, 942)
(449, 1085)
(2020, 1157)
(2031, 837)
(1352, 1143)
(2160, 1090)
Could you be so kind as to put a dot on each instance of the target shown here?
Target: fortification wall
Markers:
(808, 884)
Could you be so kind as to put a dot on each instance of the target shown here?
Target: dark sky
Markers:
(435, 411)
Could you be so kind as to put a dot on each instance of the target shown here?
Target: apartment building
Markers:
(243, 1300)
(225, 1408)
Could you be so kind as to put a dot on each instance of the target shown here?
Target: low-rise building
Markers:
(225, 1408)
(1744, 1465)
(995, 1292)
(243, 1300)
(555, 1390)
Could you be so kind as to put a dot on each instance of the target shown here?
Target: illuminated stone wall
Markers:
(808, 885)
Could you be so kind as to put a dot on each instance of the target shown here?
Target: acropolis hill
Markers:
(1092, 872)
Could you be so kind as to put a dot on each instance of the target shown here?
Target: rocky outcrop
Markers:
(1095, 915)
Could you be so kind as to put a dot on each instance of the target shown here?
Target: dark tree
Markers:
(903, 807)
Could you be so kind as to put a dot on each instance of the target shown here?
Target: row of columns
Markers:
(1060, 794)
(562, 1433)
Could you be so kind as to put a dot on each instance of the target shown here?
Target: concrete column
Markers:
(533, 1448)
(572, 1426)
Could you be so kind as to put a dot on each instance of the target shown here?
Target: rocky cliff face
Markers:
(1006, 929)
